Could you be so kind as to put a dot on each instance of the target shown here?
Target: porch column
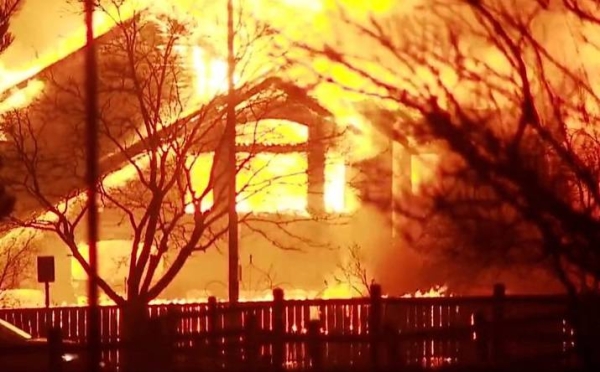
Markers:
(320, 133)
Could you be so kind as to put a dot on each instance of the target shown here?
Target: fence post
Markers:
(278, 341)
(55, 349)
(482, 339)
(212, 327)
(315, 349)
(252, 342)
(375, 316)
(171, 335)
(48, 323)
(158, 356)
(498, 333)
(395, 361)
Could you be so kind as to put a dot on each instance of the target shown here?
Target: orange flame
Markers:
(435, 291)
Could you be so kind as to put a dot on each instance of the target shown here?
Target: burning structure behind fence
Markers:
(303, 193)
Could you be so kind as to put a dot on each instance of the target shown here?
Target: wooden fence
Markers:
(426, 332)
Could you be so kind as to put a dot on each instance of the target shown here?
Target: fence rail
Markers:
(425, 332)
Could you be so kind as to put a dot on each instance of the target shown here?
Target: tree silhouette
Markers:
(158, 137)
(8, 8)
(506, 92)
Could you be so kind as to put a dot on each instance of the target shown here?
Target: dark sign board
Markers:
(45, 269)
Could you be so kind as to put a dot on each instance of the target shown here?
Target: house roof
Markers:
(292, 103)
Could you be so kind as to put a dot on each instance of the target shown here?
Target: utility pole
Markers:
(230, 134)
(92, 177)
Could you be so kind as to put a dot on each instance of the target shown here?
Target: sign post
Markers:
(45, 274)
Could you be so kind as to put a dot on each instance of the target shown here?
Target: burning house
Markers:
(302, 196)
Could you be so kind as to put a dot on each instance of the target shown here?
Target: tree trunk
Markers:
(135, 337)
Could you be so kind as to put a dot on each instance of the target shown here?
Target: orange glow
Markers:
(200, 167)
(114, 264)
(207, 73)
(24, 298)
(323, 6)
(333, 292)
(273, 183)
(338, 291)
(272, 132)
(335, 183)
(19, 98)
(267, 183)
(64, 47)
(210, 74)
(341, 291)
(424, 169)
(270, 183)
(260, 191)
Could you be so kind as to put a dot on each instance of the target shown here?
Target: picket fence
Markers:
(428, 332)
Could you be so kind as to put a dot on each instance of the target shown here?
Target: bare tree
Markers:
(8, 8)
(352, 271)
(14, 255)
(16, 260)
(509, 125)
(506, 91)
(155, 131)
